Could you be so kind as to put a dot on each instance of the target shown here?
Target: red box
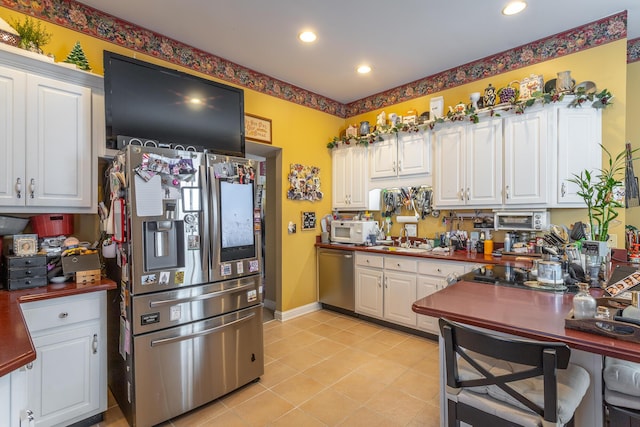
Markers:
(51, 225)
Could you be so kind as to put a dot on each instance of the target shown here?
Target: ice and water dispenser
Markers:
(164, 241)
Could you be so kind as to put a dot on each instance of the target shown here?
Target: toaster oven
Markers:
(521, 220)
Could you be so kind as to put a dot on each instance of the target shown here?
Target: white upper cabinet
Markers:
(48, 129)
(399, 155)
(468, 165)
(449, 165)
(526, 158)
(579, 133)
(350, 178)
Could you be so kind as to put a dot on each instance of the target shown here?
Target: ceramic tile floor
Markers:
(327, 369)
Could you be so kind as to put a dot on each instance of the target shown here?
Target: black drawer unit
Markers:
(21, 272)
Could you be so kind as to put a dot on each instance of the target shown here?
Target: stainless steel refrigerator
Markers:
(185, 325)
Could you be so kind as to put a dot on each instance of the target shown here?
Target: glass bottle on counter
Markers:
(584, 305)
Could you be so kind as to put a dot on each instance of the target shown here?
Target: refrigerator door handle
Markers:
(205, 226)
(159, 303)
(164, 341)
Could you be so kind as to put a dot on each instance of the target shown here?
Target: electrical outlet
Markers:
(613, 241)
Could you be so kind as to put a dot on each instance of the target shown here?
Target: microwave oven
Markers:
(521, 220)
(355, 232)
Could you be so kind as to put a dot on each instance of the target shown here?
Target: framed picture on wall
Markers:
(257, 128)
(308, 220)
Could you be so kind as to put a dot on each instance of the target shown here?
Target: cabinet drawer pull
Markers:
(94, 344)
(29, 365)
(563, 189)
(63, 315)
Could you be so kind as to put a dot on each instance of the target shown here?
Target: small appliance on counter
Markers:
(353, 232)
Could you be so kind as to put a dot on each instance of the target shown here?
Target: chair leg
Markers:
(452, 414)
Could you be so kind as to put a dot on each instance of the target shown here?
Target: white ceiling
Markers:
(402, 40)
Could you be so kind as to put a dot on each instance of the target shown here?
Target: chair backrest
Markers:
(540, 358)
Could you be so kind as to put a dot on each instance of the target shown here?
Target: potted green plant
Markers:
(32, 34)
(598, 190)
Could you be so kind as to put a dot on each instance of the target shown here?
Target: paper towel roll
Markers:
(406, 218)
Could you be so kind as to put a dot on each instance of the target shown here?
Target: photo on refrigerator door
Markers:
(236, 221)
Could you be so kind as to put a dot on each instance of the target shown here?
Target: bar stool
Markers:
(622, 392)
(498, 381)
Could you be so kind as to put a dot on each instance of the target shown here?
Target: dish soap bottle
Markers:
(584, 305)
(488, 244)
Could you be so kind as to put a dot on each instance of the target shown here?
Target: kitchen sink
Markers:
(399, 249)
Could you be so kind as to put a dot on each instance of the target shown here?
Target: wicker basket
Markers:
(9, 38)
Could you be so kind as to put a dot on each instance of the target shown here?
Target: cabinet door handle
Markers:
(32, 188)
(507, 191)
(461, 194)
(29, 365)
(18, 188)
(399, 165)
(386, 282)
(394, 167)
(563, 189)
(94, 344)
(63, 315)
(468, 193)
(379, 283)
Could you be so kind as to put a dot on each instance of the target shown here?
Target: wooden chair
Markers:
(502, 381)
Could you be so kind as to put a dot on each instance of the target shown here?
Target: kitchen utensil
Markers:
(550, 272)
(577, 231)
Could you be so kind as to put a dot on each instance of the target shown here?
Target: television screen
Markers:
(150, 102)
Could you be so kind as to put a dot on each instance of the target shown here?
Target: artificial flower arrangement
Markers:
(600, 99)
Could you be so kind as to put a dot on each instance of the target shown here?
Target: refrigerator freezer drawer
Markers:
(181, 368)
(152, 312)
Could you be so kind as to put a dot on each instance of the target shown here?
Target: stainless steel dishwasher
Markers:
(336, 278)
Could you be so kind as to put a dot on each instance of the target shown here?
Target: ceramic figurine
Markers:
(564, 82)
(474, 97)
(394, 119)
(352, 131)
(364, 128)
(509, 94)
(489, 96)
(381, 119)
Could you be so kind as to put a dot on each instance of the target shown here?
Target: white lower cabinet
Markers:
(14, 411)
(432, 277)
(67, 381)
(369, 280)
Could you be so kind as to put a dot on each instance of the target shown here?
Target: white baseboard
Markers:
(298, 311)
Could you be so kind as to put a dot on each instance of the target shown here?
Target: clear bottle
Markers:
(584, 305)
(507, 242)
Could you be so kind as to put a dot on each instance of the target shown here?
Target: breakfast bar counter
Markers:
(526, 313)
(530, 314)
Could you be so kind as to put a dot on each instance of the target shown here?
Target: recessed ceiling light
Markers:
(514, 7)
(307, 36)
(364, 69)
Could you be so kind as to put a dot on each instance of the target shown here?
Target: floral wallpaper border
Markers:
(87, 20)
(633, 50)
(578, 39)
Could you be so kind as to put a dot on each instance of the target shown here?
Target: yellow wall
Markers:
(633, 129)
(301, 132)
(604, 65)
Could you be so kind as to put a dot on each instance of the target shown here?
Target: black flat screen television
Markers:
(150, 102)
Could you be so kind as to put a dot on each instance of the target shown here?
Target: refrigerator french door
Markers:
(185, 327)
